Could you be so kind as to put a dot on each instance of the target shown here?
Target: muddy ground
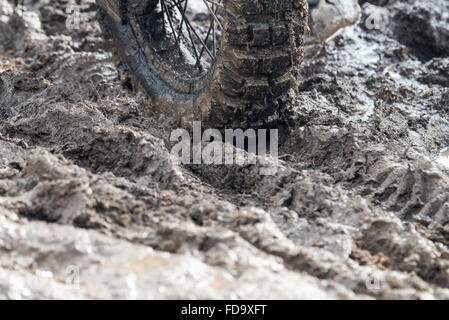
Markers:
(92, 204)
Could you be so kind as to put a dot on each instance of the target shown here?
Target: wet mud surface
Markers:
(92, 204)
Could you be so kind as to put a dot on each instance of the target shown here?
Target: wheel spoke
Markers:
(205, 41)
(173, 5)
(211, 27)
(218, 4)
(170, 23)
(213, 14)
(182, 21)
(194, 32)
(197, 41)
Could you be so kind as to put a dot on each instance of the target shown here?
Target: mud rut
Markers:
(359, 194)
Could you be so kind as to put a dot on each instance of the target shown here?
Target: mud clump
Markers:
(358, 206)
(423, 28)
(438, 72)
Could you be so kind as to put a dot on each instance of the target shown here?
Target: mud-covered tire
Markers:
(251, 81)
(263, 46)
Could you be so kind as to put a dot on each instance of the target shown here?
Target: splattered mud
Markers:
(92, 205)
